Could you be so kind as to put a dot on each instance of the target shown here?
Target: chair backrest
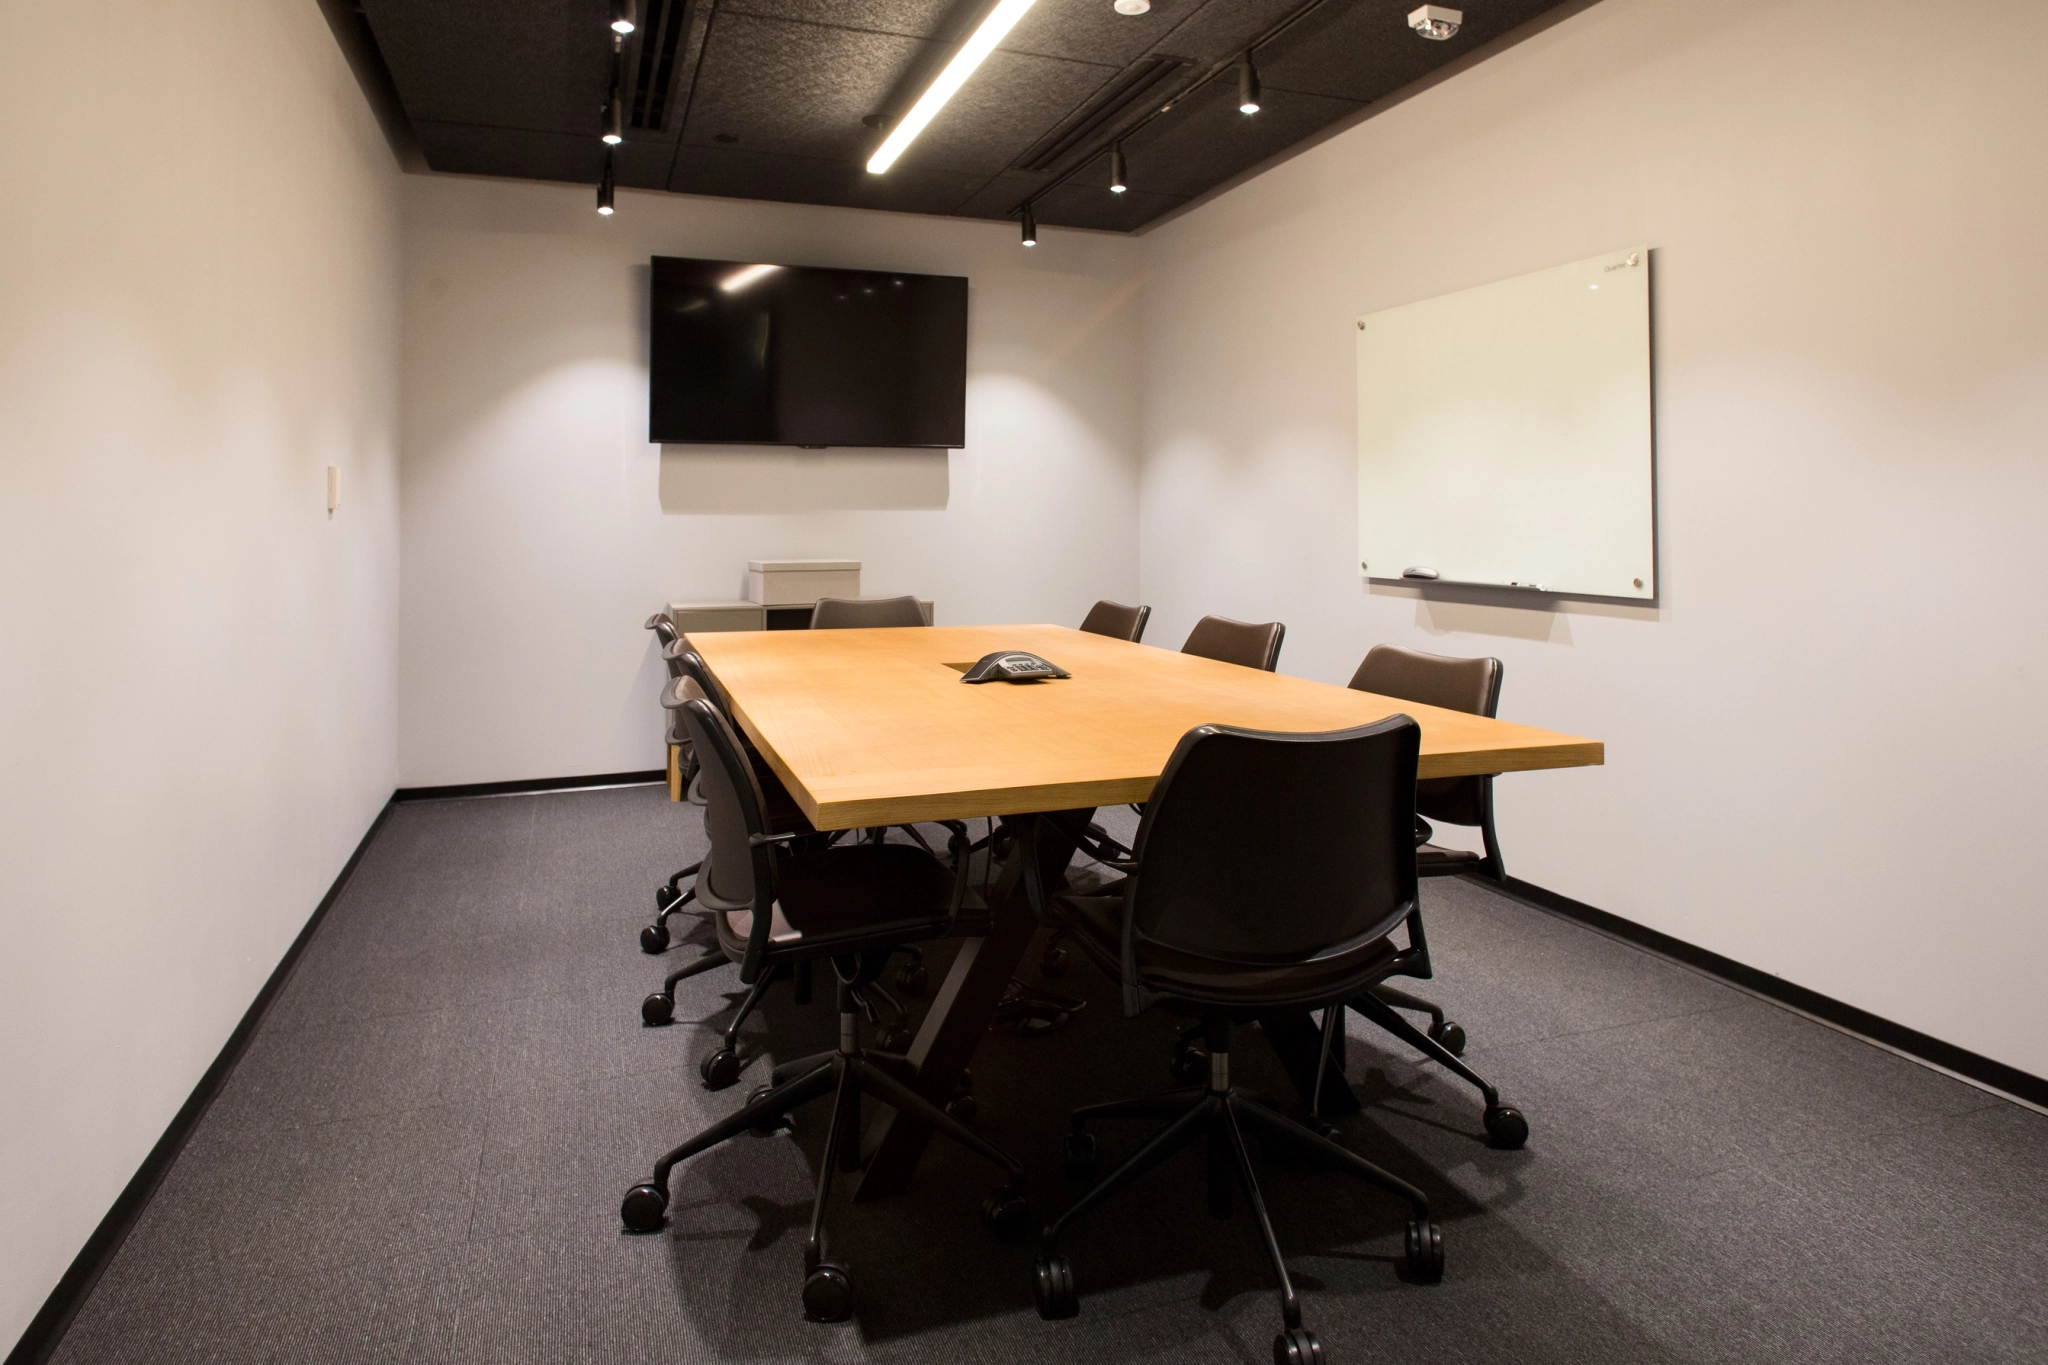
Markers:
(1117, 621)
(1235, 642)
(687, 663)
(866, 613)
(738, 873)
(1468, 685)
(1261, 848)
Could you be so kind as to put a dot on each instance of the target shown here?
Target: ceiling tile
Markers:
(464, 149)
(1363, 49)
(539, 64)
(1205, 140)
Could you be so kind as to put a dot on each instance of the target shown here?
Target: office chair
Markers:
(785, 819)
(1471, 686)
(1235, 642)
(866, 613)
(1240, 909)
(850, 905)
(1117, 621)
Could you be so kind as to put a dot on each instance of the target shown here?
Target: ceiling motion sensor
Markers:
(1436, 22)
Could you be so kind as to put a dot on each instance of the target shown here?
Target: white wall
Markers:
(541, 528)
(1825, 740)
(198, 314)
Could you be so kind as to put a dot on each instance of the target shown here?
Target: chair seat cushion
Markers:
(1432, 860)
(1097, 924)
(841, 892)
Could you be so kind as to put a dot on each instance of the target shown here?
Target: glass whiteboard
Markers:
(1504, 433)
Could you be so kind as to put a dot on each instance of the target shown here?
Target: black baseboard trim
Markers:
(48, 1326)
(526, 785)
(1983, 1070)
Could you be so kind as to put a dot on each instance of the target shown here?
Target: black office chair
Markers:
(785, 819)
(1235, 642)
(852, 905)
(866, 613)
(1117, 621)
(1471, 686)
(1241, 909)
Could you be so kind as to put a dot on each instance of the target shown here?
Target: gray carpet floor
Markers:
(420, 1159)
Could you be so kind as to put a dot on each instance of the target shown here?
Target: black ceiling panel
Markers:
(794, 89)
(1205, 140)
(465, 149)
(1364, 49)
(540, 64)
(738, 174)
(786, 99)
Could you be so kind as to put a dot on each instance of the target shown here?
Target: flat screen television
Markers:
(749, 353)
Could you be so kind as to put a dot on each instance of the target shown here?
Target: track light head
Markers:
(1030, 227)
(1116, 171)
(1247, 87)
(614, 120)
(604, 188)
(624, 20)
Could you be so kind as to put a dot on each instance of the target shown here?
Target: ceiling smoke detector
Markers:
(1435, 21)
(1132, 6)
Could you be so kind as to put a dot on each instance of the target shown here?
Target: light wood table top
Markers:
(873, 727)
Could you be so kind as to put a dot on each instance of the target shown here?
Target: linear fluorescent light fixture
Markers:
(740, 279)
(993, 30)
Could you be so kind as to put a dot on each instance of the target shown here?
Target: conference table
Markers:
(873, 728)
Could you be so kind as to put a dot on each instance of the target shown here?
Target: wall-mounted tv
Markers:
(750, 353)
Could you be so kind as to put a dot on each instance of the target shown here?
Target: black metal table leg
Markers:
(965, 1003)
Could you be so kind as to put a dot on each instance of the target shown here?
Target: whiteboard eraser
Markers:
(1418, 571)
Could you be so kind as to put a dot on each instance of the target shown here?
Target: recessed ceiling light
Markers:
(1132, 6)
(1436, 21)
(622, 16)
(993, 30)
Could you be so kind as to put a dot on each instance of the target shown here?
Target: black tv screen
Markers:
(749, 353)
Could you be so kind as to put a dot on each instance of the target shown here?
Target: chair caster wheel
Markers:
(1506, 1128)
(1052, 1288)
(720, 1069)
(654, 939)
(1297, 1346)
(767, 1127)
(913, 980)
(894, 1038)
(1080, 1156)
(1006, 1214)
(1424, 1254)
(963, 1108)
(657, 1009)
(828, 1293)
(1449, 1036)
(644, 1209)
(1053, 963)
(664, 897)
(1191, 1066)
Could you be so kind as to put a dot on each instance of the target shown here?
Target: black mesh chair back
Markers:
(866, 613)
(664, 627)
(1468, 685)
(1320, 863)
(1117, 621)
(739, 871)
(1236, 642)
